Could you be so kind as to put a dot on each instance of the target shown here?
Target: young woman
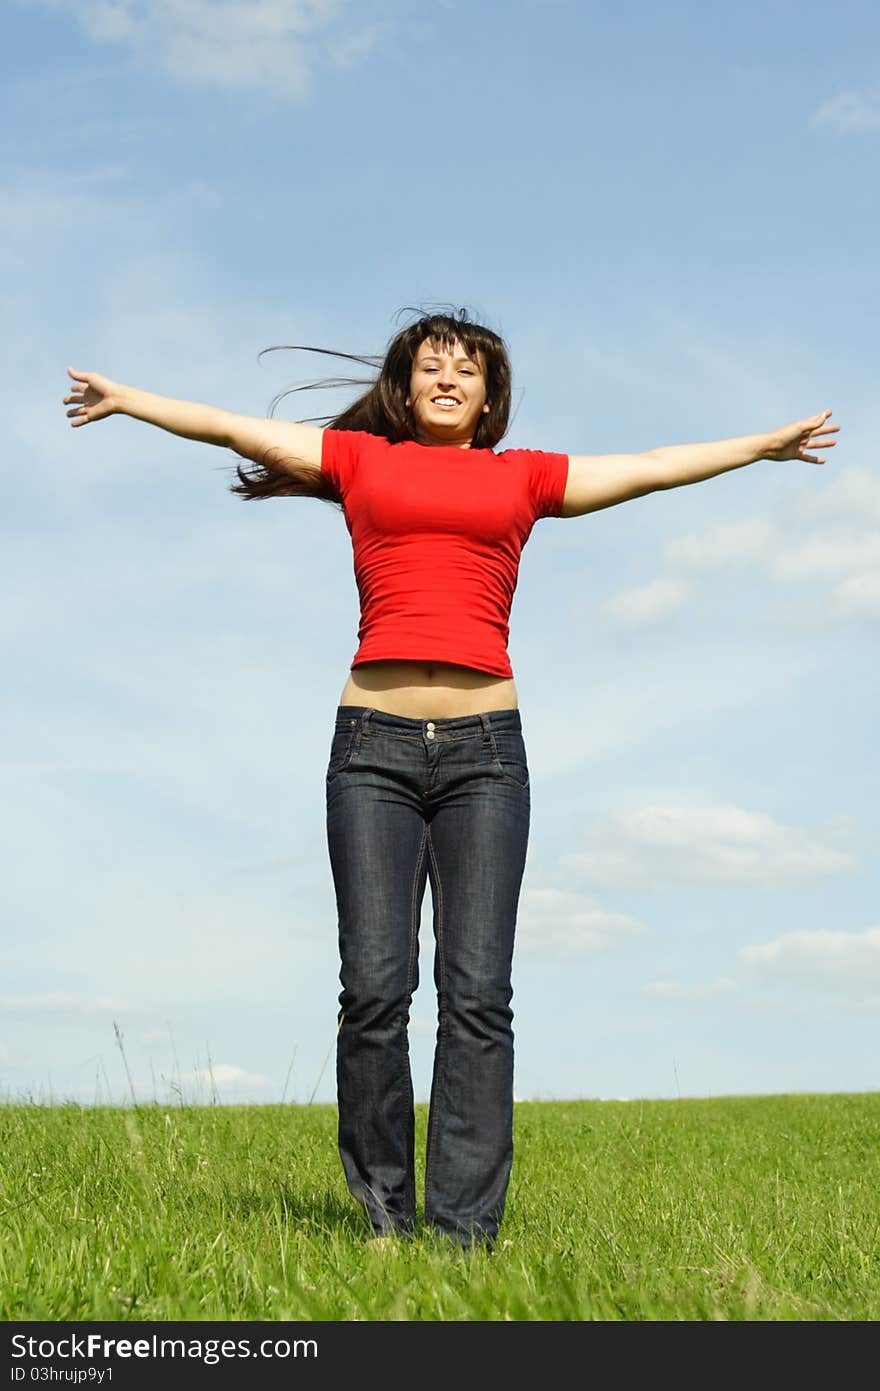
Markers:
(428, 776)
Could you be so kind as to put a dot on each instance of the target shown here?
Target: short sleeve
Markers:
(340, 451)
(548, 475)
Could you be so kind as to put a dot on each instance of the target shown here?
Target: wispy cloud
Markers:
(858, 596)
(267, 44)
(850, 112)
(716, 547)
(853, 496)
(646, 603)
(674, 990)
(661, 845)
(830, 963)
(57, 1007)
(557, 922)
(844, 966)
(836, 550)
(831, 540)
(225, 1077)
(826, 536)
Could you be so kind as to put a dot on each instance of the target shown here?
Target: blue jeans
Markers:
(409, 800)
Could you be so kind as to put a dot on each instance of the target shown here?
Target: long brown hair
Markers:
(383, 409)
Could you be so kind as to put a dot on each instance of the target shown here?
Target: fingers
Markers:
(818, 436)
(814, 458)
(821, 426)
(819, 431)
(79, 414)
(77, 391)
(76, 398)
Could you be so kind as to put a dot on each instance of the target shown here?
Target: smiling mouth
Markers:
(446, 402)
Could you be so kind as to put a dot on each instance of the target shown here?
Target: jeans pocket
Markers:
(509, 754)
(341, 750)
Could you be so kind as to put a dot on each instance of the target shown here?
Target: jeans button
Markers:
(430, 724)
(430, 734)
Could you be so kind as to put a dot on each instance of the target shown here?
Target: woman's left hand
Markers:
(795, 440)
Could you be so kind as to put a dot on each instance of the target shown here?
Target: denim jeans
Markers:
(410, 800)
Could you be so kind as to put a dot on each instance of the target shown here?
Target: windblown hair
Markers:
(382, 409)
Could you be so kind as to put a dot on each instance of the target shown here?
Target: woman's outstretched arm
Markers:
(93, 397)
(602, 480)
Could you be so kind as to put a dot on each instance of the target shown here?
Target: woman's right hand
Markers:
(91, 397)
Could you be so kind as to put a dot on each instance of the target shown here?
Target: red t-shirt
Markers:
(437, 533)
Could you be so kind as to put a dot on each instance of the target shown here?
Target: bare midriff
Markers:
(427, 690)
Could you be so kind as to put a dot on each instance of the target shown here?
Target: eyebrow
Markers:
(436, 357)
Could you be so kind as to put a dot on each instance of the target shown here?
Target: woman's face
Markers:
(447, 394)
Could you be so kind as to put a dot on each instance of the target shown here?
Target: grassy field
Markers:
(737, 1208)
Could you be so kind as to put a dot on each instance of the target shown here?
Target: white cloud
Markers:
(148, 1037)
(858, 596)
(672, 990)
(263, 44)
(721, 844)
(225, 1077)
(853, 496)
(647, 602)
(830, 963)
(58, 1008)
(835, 550)
(735, 543)
(828, 538)
(851, 111)
(556, 922)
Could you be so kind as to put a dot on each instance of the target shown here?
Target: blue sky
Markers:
(671, 214)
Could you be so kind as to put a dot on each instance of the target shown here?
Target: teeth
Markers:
(445, 401)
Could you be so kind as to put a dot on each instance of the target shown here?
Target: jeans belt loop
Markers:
(367, 715)
(488, 741)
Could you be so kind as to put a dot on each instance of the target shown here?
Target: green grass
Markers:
(737, 1208)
